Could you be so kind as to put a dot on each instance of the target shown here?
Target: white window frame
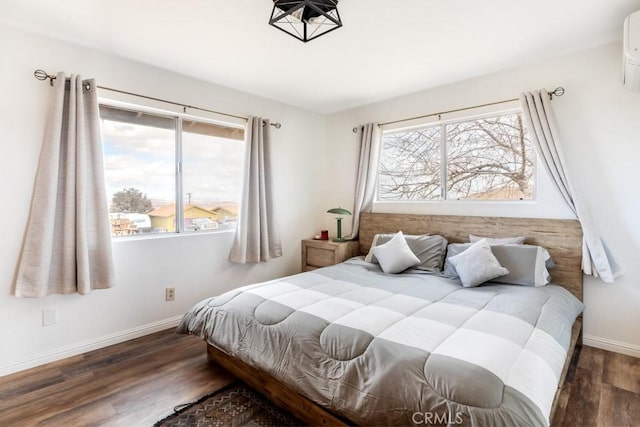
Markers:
(179, 117)
(441, 123)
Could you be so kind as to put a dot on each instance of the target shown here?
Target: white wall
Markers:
(599, 121)
(196, 265)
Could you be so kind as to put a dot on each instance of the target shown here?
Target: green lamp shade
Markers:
(339, 211)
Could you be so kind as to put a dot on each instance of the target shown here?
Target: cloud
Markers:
(143, 157)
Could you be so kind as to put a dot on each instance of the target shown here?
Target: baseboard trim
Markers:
(83, 347)
(612, 345)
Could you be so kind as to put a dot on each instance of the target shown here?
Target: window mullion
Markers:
(443, 162)
(179, 194)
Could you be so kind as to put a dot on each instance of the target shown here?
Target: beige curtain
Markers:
(257, 238)
(544, 135)
(367, 174)
(67, 246)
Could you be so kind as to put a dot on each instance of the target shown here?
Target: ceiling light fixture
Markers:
(305, 19)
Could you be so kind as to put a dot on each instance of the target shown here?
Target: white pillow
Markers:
(477, 265)
(395, 255)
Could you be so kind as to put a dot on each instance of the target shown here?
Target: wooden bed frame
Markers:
(563, 239)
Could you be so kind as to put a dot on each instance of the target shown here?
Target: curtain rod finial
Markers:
(559, 91)
(41, 75)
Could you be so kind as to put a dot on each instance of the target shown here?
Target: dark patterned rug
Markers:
(234, 405)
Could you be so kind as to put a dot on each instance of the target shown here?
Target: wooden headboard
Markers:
(562, 237)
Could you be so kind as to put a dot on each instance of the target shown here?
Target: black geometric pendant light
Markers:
(305, 19)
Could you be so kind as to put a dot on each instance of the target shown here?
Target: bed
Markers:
(349, 344)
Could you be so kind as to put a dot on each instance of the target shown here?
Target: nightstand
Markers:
(322, 253)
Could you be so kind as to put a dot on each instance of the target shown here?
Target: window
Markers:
(488, 158)
(155, 162)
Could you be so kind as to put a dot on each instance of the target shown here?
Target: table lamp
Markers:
(339, 211)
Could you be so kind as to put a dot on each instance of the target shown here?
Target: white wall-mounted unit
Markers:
(631, 43)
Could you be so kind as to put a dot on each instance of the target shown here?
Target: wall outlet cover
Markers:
(49, 316)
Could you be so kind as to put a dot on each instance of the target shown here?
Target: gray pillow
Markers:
(430, 250)
(477, 265)
(518, 240)
(526, 263)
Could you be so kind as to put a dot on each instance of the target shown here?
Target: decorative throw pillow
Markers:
(395, 256)
(453, 249)
(430, 249)
(477, 265)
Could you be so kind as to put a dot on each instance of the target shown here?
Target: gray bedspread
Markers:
(406, 349)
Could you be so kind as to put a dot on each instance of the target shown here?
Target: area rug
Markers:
(235, 405)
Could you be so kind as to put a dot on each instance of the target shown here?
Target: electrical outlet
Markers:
(49, 317)
(170, 294)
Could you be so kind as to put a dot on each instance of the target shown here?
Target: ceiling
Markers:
(385, 49)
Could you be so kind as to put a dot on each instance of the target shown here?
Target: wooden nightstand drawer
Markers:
(323, 253)
(320, 257)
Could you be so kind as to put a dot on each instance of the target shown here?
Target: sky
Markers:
(143, 157)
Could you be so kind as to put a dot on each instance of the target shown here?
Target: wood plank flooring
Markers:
(131, 384)
(139, 382)
(604, 391)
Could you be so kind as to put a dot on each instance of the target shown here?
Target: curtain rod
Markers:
(559, 91)
(43, 75)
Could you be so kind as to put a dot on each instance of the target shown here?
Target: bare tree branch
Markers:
(487, 158)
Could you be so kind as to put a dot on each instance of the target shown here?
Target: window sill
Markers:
(154, 236)
(513, 208)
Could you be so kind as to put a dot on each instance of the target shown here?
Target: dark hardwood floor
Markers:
(604, 391)
(139, 382)
(135, 383)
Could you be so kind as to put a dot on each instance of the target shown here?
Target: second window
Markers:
(488, 158)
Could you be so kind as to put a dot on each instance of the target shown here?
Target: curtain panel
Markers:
(257, 238)
(545, 137)
(67, 247)
(367, 175)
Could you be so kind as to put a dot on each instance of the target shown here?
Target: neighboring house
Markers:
(227, 214)
(164, 219)
(126, 224)
(226, 211)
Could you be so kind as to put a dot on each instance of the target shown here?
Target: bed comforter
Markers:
(403, 349)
